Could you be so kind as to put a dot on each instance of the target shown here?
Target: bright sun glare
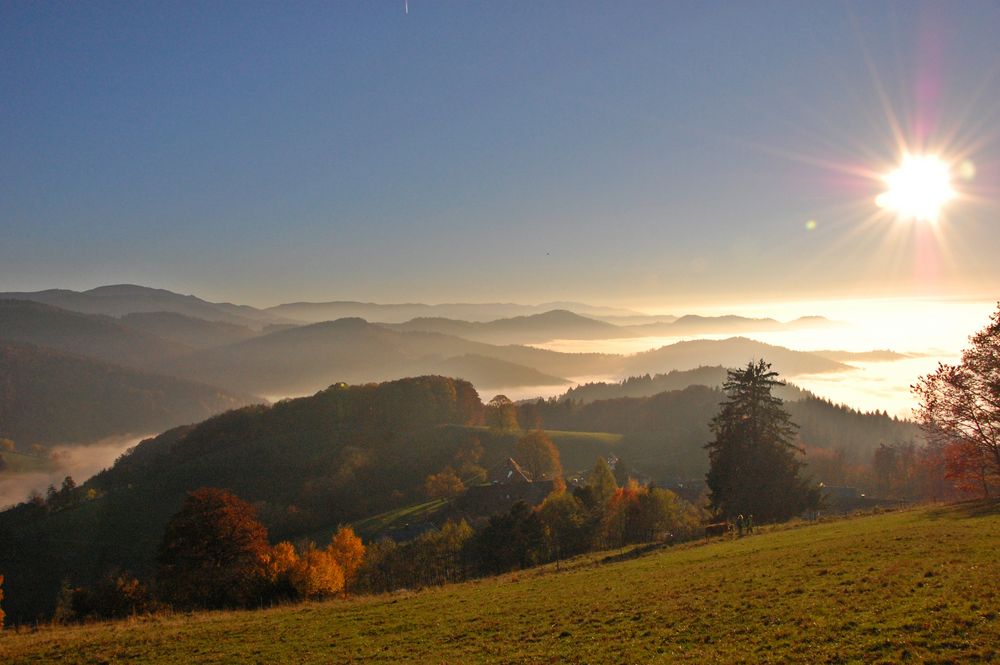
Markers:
(918, 189)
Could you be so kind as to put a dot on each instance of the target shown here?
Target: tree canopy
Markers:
(213, 552)
(501, 414)
(959, 410)
(535, 452)
(753, 460)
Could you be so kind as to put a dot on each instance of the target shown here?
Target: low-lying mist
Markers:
(79, 461)
(926, 331)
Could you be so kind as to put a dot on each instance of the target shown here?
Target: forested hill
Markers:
(343, 454)
(824, 424)
(666, 433)
(346, 453)
(51, 397)
(647, 385)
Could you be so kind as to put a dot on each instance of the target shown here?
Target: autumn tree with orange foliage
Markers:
(213, 553)
(279, 562)
(501, 414)
(960, 410)
(317, 574)
(967, 467)
(444, 484)
(348, 550)
(538, 455)
(313, 573)
(637, 513)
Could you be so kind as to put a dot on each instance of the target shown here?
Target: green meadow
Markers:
(920, 585)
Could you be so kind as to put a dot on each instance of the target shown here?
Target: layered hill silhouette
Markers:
(692, 324)
(50, 397)
(565, 324)
(732, 352)
(555, 324)
(306, 358)
(316, 312)
(487, 372)
(121, 299)
(290, 360)
(100, 337)
(190, 331)
(507, 319)
(302, 359)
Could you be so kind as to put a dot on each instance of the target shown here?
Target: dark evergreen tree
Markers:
(753, 461)
(511, 540)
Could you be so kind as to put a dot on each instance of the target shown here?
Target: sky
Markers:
(645, 153)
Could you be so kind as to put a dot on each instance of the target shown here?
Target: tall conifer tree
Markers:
(753, 460)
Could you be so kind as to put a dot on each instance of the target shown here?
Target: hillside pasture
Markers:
(916, 585)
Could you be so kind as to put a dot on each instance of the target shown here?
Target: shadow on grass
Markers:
(965, 509)
(634, 553)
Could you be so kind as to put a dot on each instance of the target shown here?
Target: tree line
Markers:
(215, 554)
(215, 551)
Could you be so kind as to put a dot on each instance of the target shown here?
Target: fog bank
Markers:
(80, 462)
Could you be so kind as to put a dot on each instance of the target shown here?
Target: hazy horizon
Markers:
(786, 307)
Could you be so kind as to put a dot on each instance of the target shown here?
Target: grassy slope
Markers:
(920, 584)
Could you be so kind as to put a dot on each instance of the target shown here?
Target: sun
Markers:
(918, 189)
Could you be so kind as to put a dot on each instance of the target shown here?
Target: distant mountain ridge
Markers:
(52, 397)
(728, 323)
(731, 352)
(315, 312)
(95, 336)
(187, 330)
(308, 358)
(121, 299)
(565, 324)
(303, 359)
(534, 328)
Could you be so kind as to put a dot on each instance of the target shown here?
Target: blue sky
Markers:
(636, 153)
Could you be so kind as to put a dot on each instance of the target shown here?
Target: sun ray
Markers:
(887, 108)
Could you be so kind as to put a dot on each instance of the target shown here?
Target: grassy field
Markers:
(915, 586)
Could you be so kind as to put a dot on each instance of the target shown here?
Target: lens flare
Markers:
(918, 189)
